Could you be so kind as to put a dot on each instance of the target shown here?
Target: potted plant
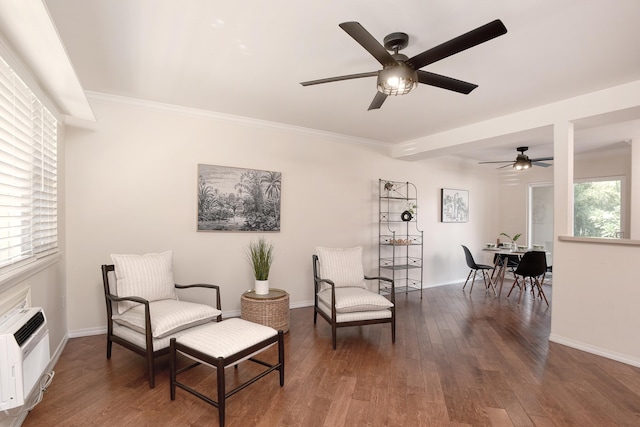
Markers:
(513, 239)
(260, 256)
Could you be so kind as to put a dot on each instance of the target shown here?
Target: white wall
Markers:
(131, 188)
(595, 299)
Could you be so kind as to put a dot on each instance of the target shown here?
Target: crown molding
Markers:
(246, 121)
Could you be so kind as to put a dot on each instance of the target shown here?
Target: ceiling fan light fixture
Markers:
(522, 163)
(397, 79)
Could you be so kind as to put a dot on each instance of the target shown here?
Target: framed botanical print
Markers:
(455, 205)
(237, 199)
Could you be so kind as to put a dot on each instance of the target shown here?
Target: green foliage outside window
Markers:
(597, 209)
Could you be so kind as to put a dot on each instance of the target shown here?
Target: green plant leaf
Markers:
(514, 238)
(260, 256)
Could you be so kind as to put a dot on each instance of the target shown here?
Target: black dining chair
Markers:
(474, 267)
(512, 262)
(534, 266)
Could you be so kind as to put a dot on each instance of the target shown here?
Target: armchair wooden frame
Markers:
(149, 353)
(332, 320)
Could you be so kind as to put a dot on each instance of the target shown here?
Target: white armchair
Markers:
(143, 309)
(341, 294)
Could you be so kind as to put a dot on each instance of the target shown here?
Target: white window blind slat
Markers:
(28, 173)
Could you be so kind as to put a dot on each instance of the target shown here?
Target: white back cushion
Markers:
(342, 265)
(148, 276)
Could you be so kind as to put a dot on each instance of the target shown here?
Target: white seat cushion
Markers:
(167, 316)
(343, 266)
(139, 339)
(356, 316)
(148, 276)
(350, 300)
(226, 338)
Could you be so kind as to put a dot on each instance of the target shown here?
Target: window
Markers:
(28, 173)
(597, 208)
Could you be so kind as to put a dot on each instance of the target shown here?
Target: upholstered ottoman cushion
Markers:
(221, 345)
(226, 338)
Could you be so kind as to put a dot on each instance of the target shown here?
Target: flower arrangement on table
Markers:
(513, 239)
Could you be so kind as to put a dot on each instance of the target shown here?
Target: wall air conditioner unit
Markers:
(24, 355)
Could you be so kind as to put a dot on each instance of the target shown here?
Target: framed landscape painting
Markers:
(237, 199)
(455, 205)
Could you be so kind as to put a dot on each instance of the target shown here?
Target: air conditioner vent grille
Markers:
(29, 328)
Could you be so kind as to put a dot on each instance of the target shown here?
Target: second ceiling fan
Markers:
(522, 161)
(401, 74)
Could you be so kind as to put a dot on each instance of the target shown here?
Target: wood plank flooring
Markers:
(458, 360)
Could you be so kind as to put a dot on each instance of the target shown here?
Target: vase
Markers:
(406, 216)
(262, 287)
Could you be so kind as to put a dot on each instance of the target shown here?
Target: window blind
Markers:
(28, 173)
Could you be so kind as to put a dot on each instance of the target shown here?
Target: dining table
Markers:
(501, 263)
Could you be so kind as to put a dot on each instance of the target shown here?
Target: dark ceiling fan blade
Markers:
(377, 101)
(506, 166)
(367, 41)
(541, 159)
(544, 165)
(339, 78)
(498, 161)
(465, 41)
(445, 82)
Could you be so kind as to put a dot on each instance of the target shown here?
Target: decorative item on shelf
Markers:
(409, 211)
(514, 239)
(401, 241)
(388, 186)
(260, 256)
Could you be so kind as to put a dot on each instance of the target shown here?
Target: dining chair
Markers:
(474, 268)
(533, 265)
(512, 261)
(503, 262)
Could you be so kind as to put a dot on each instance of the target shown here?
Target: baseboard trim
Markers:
(87, 332)
(225, 315)
(598, 351)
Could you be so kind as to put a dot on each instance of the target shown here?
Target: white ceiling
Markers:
(248, 57)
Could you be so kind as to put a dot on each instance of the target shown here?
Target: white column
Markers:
(634, 182)
(563, 179)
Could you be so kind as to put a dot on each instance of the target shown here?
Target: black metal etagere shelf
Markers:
(400, 249)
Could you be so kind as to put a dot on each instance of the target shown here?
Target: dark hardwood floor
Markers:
(458, 360)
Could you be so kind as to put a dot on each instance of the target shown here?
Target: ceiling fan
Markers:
(400, 74)
(523, 161)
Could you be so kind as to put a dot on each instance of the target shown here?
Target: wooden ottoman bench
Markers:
(221, 345)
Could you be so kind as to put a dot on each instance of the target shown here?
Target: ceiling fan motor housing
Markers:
(396, 41)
